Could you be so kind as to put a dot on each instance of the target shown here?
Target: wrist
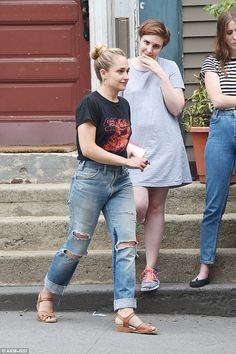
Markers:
(125, 162)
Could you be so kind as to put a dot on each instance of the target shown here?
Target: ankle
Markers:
(204, 270)
(45, 293)
(125, 312)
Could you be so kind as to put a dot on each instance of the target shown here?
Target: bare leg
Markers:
(154, 224)
(141, 198)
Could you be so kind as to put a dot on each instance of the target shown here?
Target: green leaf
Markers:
(220, 6)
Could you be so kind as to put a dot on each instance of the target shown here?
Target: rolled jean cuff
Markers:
(123, 303)
(53, 288)
(206, 262)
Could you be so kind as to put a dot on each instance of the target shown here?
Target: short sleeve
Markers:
(175, 76)
(209, 64)
(87, 111)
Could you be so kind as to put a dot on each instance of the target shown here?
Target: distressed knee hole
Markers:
(123, 245)
(72, 256)
(80, 236)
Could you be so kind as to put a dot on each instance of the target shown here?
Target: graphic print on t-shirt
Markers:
(120, 130)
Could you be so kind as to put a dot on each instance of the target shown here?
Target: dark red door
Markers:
(44, 71)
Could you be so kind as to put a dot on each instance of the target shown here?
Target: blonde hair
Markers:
(104, 58)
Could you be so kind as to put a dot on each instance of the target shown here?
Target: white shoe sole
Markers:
(150, 289)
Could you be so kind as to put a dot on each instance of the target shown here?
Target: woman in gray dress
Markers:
(155, 94)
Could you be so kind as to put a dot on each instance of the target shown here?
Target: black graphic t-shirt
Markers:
(111, 119)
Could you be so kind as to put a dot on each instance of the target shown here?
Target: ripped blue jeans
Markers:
(95, 188)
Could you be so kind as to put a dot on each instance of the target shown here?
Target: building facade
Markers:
(44, 62)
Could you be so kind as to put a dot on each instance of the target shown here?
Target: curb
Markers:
(171, 298)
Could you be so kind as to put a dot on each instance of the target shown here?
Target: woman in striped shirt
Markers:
(219, 73)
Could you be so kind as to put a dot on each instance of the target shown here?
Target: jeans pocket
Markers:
(86, 172)
(215, 118)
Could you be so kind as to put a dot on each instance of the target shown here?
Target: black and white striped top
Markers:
(227, 77)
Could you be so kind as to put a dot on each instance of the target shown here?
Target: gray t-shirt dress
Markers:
(156, 130)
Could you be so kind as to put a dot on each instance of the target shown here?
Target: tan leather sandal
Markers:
(44, 316)
(143, 328)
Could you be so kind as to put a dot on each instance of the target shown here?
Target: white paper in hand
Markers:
(136, 150)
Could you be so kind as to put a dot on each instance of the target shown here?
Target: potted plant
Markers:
(195, 119)
(198, 109)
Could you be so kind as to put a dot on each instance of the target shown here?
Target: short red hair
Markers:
(154, 27)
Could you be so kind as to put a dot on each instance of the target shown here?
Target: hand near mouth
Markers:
(152, 65)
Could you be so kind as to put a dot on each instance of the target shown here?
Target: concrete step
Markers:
(190, 199)
(44, 232)
(33, 199)
(37, 167)
(50, 232)
(178, 266)
(45, 199)
(171, 298)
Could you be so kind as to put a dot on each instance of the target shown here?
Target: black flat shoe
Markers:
(196, 283)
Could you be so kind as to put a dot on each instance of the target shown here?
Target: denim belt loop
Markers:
(82, 164)
(216, 112)
(105, 169)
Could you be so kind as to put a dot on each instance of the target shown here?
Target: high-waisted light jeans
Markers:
(95, 188)
(220, 159)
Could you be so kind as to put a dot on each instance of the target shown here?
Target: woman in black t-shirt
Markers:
(102, 183)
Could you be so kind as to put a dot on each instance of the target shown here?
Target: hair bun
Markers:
(97, 51)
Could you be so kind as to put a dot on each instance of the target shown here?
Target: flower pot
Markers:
(199, 138)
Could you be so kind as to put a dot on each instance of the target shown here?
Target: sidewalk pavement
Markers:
(84, 332)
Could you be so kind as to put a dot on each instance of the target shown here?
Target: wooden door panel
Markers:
(38, 11)
(37, 40)
(39, 69)
(43, 99)
(44, 70)
(14, 131)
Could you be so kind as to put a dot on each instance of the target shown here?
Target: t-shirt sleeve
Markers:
(175, 76)
(87, 111)
(208, 65)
